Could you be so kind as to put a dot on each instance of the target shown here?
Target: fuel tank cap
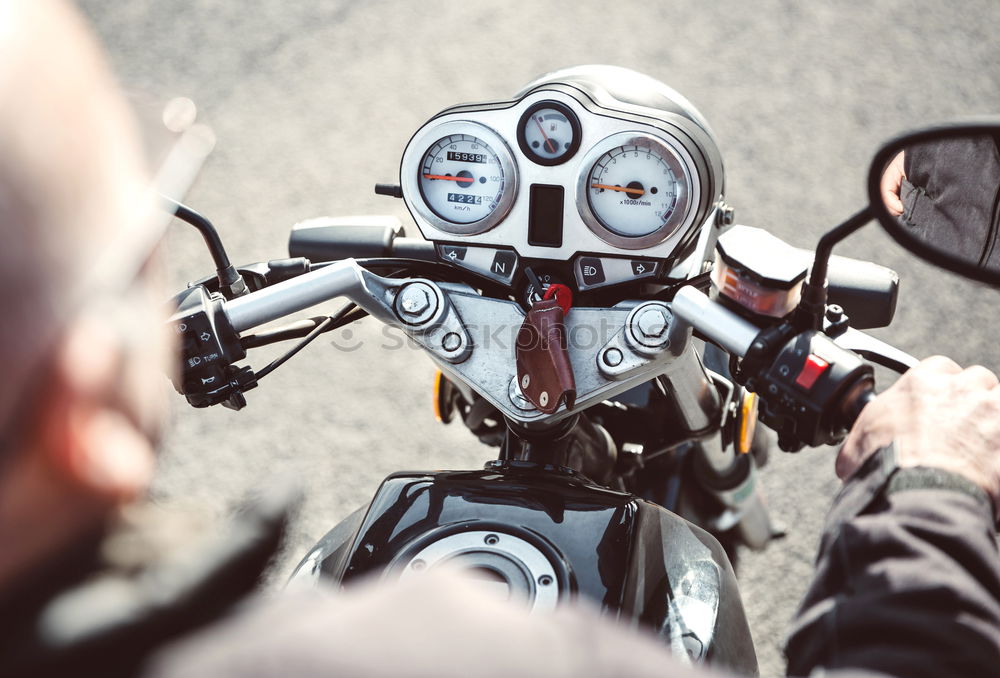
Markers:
(504, 566)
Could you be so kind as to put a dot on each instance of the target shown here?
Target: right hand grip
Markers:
(856, 400)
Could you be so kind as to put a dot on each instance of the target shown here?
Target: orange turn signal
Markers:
(748, 422)
(438, 387)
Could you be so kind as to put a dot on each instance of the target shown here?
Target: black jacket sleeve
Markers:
(907, 580)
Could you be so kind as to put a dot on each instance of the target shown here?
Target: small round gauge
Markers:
(637, 190)
(466, 178)
(549, 133)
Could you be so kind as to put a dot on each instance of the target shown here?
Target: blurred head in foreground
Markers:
(80, 390)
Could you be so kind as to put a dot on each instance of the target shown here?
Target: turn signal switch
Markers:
(209, 347)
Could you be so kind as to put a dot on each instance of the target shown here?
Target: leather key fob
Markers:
(544, 371)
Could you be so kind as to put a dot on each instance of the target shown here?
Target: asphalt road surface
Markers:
(313, 102)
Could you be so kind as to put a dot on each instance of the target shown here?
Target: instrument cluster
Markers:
(611, 191)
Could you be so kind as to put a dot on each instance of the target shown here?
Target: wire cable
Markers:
(298, 329)
(325, 325)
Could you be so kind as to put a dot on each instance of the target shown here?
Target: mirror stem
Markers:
(231, 283)
(810, 312)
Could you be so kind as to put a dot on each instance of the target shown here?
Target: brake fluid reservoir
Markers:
(759, 272)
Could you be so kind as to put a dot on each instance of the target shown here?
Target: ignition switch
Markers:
(538, 282)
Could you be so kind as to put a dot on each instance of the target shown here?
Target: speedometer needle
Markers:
(438, 176)
(630, 191)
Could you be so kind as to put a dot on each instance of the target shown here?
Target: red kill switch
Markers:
(811, 371)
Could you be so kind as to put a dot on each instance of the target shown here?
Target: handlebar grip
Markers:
(413, 248)
(334, 239)
(856, 400)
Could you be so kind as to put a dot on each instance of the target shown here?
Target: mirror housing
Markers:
(950, 214)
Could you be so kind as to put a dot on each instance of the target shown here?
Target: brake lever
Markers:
(875, 350)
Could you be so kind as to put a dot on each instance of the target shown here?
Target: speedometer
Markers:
(637, 190)
(461, 179)
(466, 178)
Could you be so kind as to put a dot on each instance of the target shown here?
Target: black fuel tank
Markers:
(633, 558)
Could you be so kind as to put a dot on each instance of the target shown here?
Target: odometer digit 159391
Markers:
(462, 179)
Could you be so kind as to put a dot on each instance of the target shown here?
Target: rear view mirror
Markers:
(937, 192)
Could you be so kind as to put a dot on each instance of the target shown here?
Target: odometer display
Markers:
(467, 157)
(467, 199)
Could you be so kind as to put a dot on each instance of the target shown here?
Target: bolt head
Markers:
(652, 323)
(613, 357)
(451, 342)
(414, 300)
(834, 313)
(726, 216)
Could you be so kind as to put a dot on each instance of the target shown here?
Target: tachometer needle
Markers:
(630, 191)
(438, 176)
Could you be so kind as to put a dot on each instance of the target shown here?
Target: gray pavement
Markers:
(313, 102)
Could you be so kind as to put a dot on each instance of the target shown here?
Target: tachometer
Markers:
(637, 190)
(466, 178)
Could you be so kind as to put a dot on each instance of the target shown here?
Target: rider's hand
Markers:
(938, 415)
(892, 181)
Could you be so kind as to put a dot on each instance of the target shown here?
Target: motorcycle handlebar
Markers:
(714, 322)
(811, 389)
(290, 296)
(808, 418)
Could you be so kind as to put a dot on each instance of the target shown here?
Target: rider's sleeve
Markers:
(907, 580)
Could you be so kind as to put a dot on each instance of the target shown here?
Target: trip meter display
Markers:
(466, 179)
(636, 190)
